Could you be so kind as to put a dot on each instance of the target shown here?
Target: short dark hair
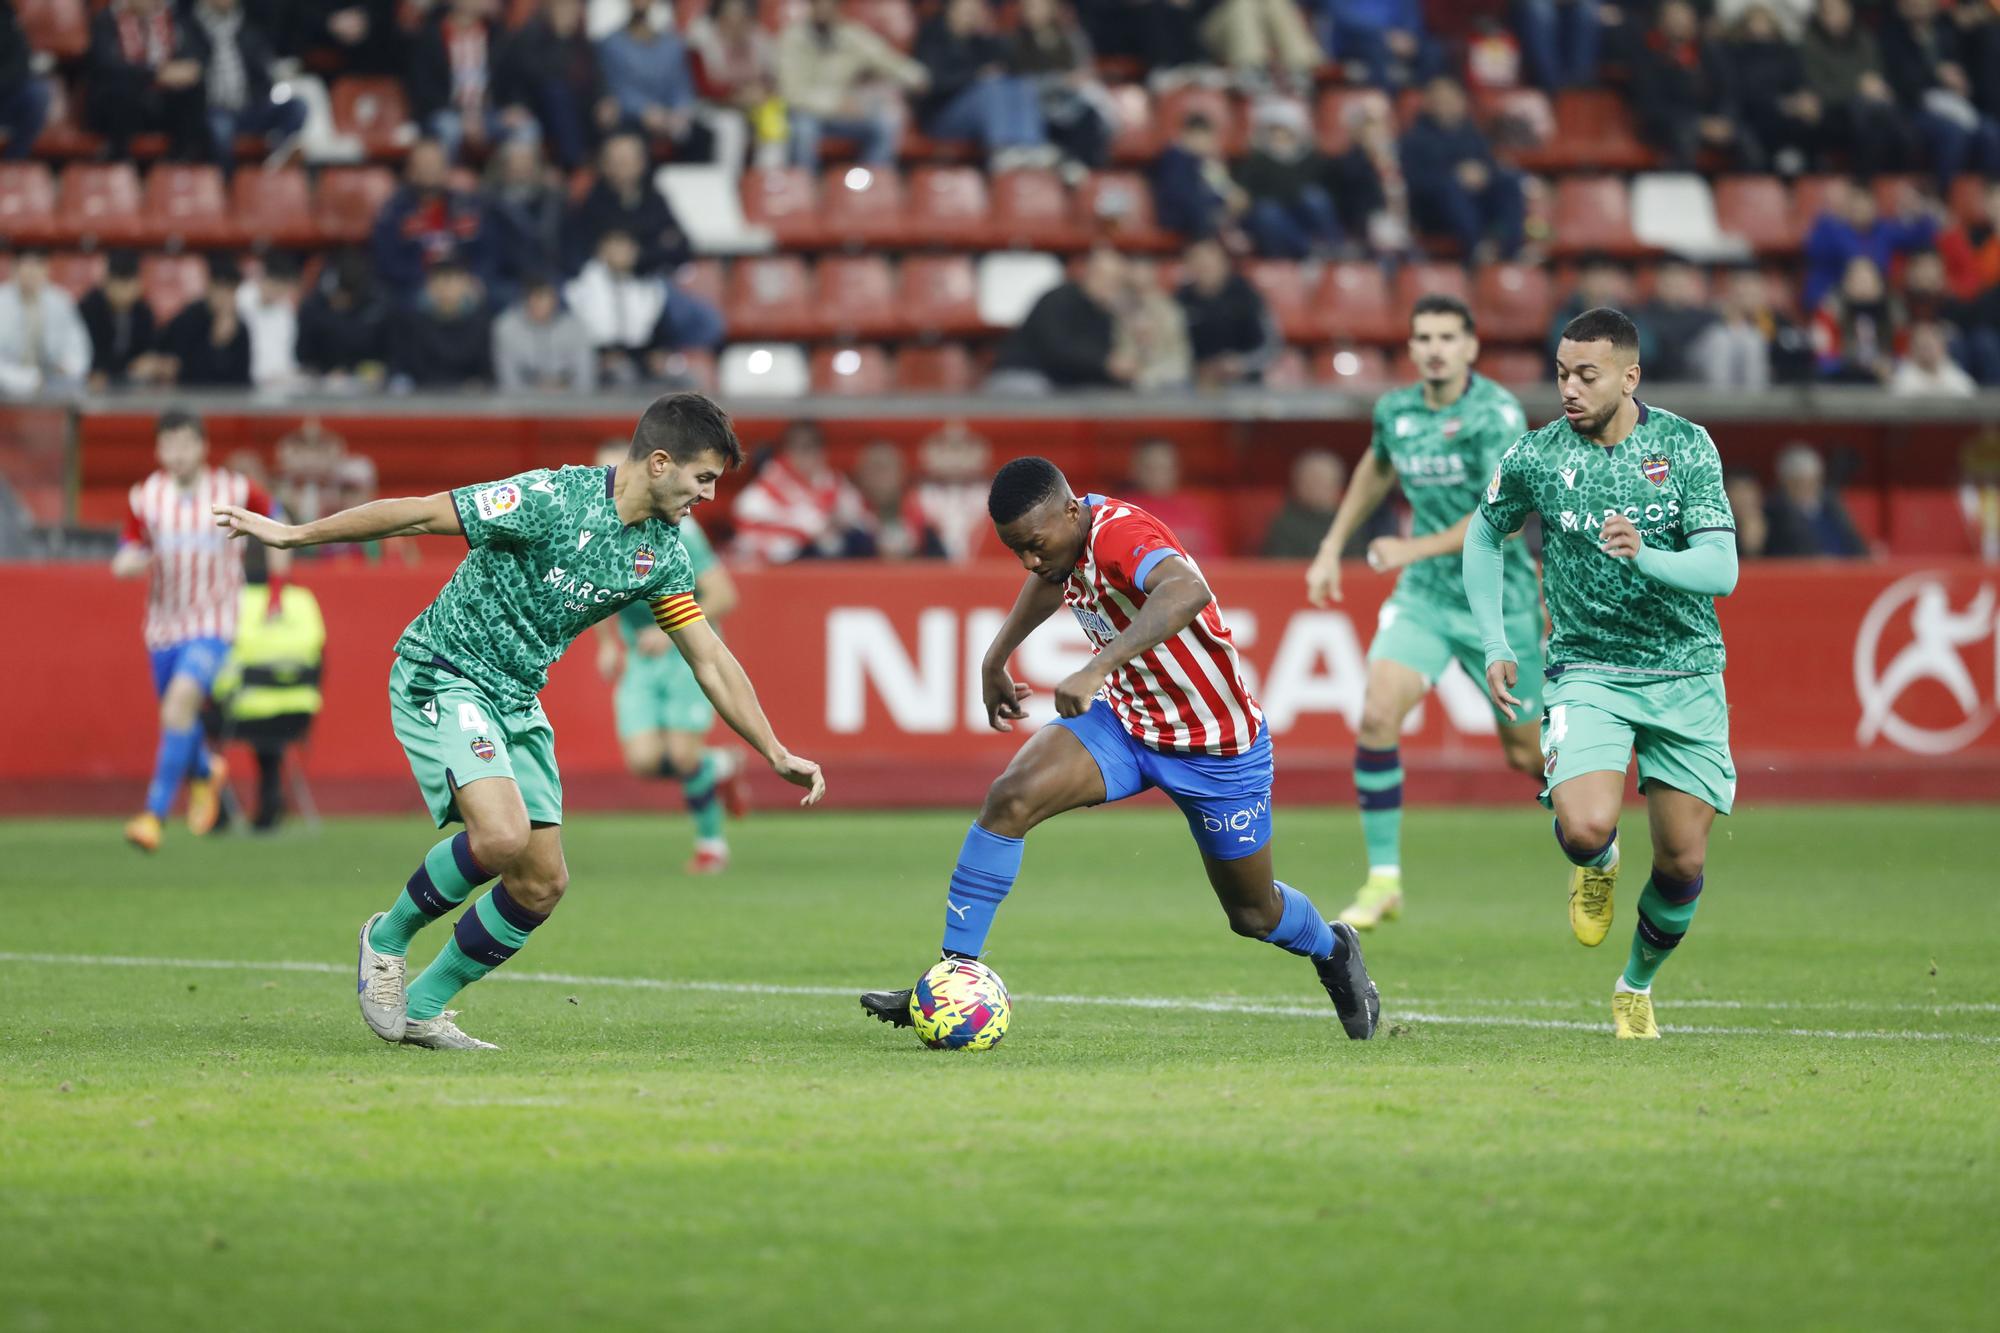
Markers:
(1442, 303)
(222, 272)
(1020, 486)
(1603, 324)
(686, 426)
(281, 267)
(122, 265)
(1197, 121)
(180, 418)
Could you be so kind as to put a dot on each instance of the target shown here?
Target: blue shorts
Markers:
(197, 659)
(1227, 801)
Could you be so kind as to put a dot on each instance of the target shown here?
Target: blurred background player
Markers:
(192, 604)
(1440, 438)
(663, 717)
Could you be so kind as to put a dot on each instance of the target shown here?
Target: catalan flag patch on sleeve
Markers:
(676, 612)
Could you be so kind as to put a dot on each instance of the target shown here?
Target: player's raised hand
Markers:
(1074, 695)
(242, 522)
(1500, 678)
(801, 773)
(1388, 554)
(1619, 538)
(1003, 696)
(1323, 579)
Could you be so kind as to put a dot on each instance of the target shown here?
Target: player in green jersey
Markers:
(1638, 542)
(550, 553)
(1439, 437)
(663, 717)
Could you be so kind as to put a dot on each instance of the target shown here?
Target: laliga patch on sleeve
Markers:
(1493, 487)
(496, 501)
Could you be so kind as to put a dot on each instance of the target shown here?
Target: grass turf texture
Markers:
(185, 1147)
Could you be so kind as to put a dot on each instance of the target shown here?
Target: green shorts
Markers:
(1426, 639)
(1678, 724)
(455, 734)
(660, 694)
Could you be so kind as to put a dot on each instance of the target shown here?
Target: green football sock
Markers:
(487, 935)
(445, 879)
(1663, 920)
(699, 788)
(1378, 788)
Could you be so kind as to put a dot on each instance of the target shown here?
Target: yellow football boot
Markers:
(1632, 1014)
(1379, 900)
(143, 831)
(204, 804)
(1590, 901)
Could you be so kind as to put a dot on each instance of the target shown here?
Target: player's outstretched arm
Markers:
(1038, 600)
(1175, 595)
(1708, 565)
(728, 687)
(1365, 493)
(417, 516)
(1483, 566)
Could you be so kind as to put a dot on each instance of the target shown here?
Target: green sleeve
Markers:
(1484, 565)
(1704, 498)
(1378, 438)
(1708, 565)
(701, 556)
(1508, 500)
(512, 512)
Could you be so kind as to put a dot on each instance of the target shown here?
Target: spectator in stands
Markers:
(540, 347)
(340, 36)
(1318, 478)
(969, 92)
(646, 70)
(124, 341)
(526, 209)
(43, 342)
(1050, 49)
(1291, 214)
(735, 66)
(1750, 345)
(308, 461)
(618, 306)
(1155, 483)
(1152, 332)
(1163, 36)
(268, 305)
(1804, 517)
(1971, 253)
(624, 199)
(343, 326)
(891, 522)
(1369, 189)
(236, 57)
(1682, 90)
(1855, 327)
(142, 75)
(1230, 329)
(447, 341)
(1927, 370)
(206, 345)
(1746, 502)
(1385, 38)
(1599, 282)
(1256, 39)
(1193, 192)
(1850, 227)
(1777, 115)
(1669, 323)
(837, 77)
(1560, 40)
(1970, 336)
(1067, 340)
(957, 472)
(1456, 186)
(454, 82)
(1844, 71)
(796, 506)
(426, 222)
(1924, 59)
(549, 66)
(24, 98)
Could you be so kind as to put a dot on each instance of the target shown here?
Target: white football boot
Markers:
(378, 981)
(441, 1034)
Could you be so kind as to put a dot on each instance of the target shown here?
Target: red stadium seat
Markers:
(786, 200)
(63, 134)
(1287, 371)
(1336, 105)
(1517, 120)
(702, 278)
(1284, 289)
(855, 296)
(372, 109)
(348, 200)
(863, 206)
(894, 21)
(948, 206)
(850, 371)
(185, 204)
(1758, 209)
(1354, 303)
(1426, 279)
(1516, 367)
(771, 297)
(27, 204)
(1595, 131)
(946, 368)
(59, 27)
(100, 202)
(1809, 200)
(1593, 213)
(77, 273)
(1171, 109)
(692, 366)
(1352, 369)
(1512, 302)
(939, 294)
(1135, 135)
(1032, 210)
(274, 207)
(1119, 206)
(171, 281)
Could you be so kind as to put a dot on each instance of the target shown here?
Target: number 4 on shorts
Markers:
(469, 718)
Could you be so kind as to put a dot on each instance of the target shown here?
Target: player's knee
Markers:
(539, 890)
(1255, 921)
(1586, 830)
(1009, 809)
(498, 846)
(1381, 724)
(1683, 867)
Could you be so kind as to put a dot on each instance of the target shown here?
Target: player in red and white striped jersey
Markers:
(1162, 703)
(195, 581)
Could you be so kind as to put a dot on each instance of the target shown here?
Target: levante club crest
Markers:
(642, 561)
(483, 748)
(1653, 469)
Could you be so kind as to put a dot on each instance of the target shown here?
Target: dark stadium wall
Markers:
(1863, 682)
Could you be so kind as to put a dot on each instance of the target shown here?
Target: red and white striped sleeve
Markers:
(1129, 546)
(135, 532)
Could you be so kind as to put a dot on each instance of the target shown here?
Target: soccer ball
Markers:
(960, 1005)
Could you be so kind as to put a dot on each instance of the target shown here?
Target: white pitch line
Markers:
(1392, 1009)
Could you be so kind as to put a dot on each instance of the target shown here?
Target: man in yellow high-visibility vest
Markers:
(269, 688)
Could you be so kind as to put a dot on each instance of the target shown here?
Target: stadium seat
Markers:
(1351, 369)
(1354, 303)
(1171, 109)
(348, 200)
(855, 297)
(1675, 211)
(708, 200)
(1010, 282)
(59, 27)
(863, 206)
(850, 371)
(1517, 367)
(1517, 120)
(372, 109)
(171, 281)
(1284, 287)
(703, 278)
(691, 366)
(1335, 107)
(63, 134)
(273, 207)
(1893, 193)
(938, 294)
(1593, 213)
(1427, 279)
(763, 370)
(948, 206)
(1512, 302)
(771, 297)
(77, 273)
(946, 368)
(1809, 196)
(786, 201)
(184, 204)
(1758, 209)
(1032, 209)
(1287, 371)
(27, 204)
(1594, 131)
(1119, 206)
(1135, 135)
(99, 202)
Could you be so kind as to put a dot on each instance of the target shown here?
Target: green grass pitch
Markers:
(692, 1126)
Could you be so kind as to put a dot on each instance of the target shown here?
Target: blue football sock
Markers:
(1301, 930)
(986, 869)
(170, 765)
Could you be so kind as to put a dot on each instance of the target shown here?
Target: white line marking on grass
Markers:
(1392, 1009)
